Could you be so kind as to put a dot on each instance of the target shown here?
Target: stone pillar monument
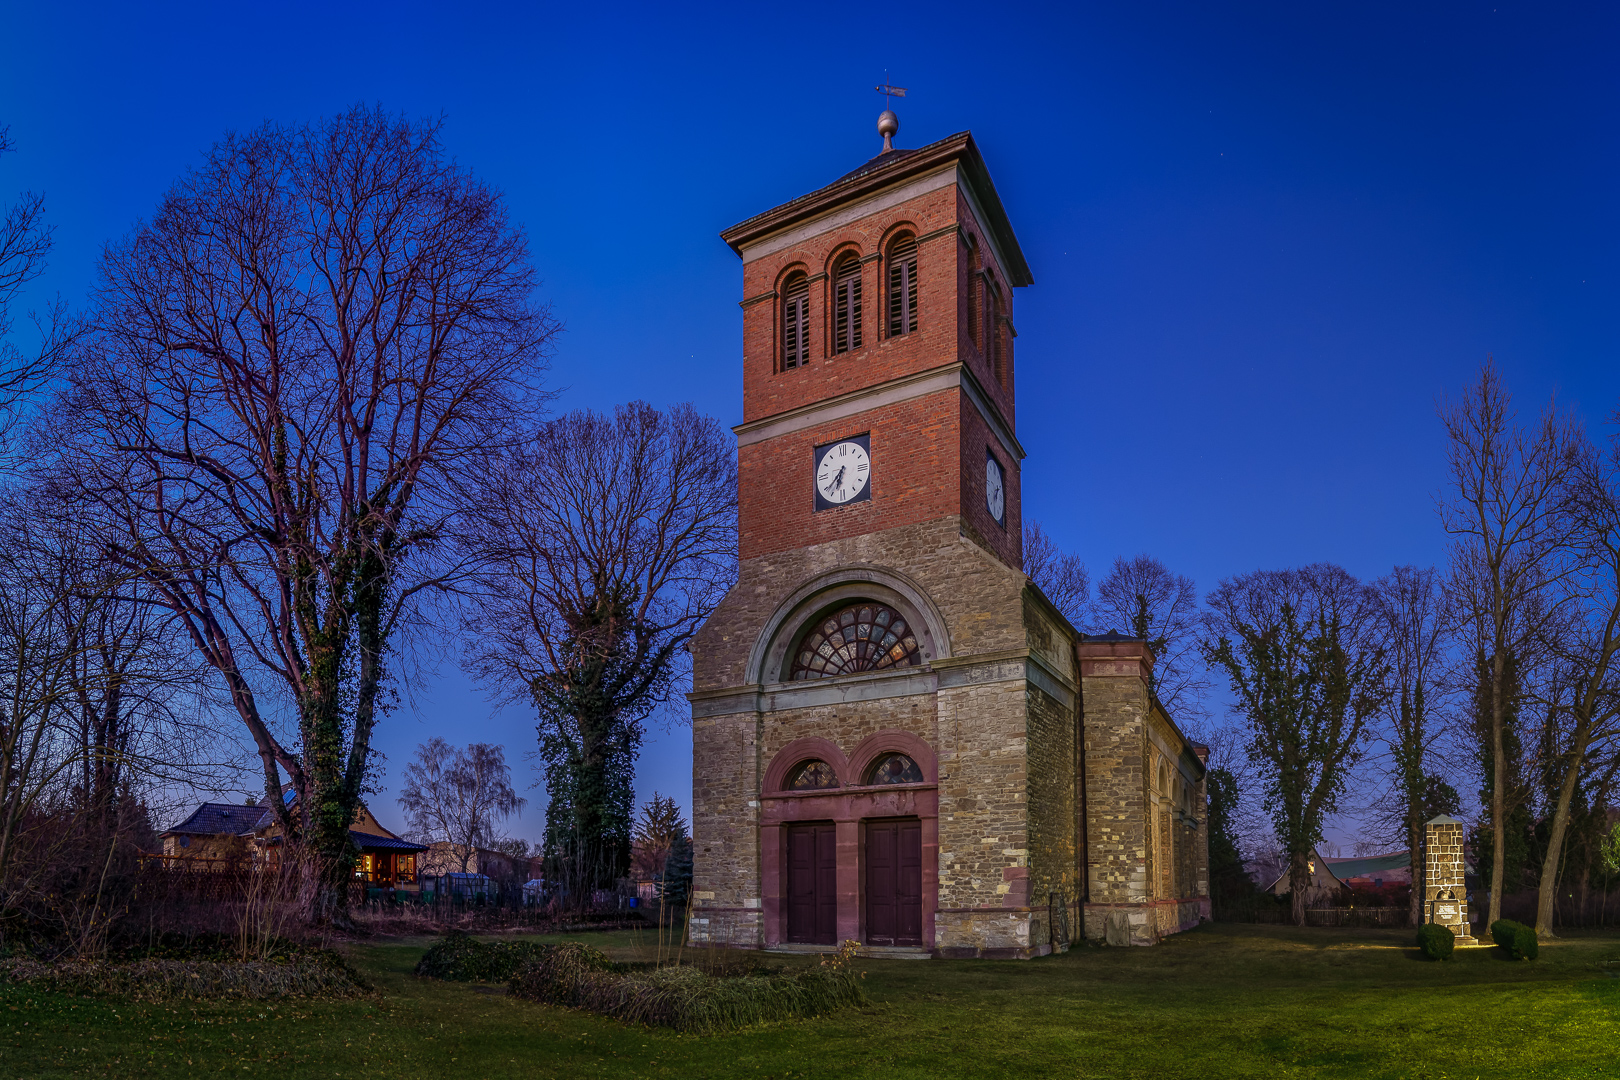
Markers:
(1445, 895)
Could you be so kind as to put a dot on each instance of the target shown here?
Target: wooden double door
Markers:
(893, 871)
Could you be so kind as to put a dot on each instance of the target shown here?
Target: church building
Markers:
(897, 739)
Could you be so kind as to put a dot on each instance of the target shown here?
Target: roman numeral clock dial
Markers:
(843, 472)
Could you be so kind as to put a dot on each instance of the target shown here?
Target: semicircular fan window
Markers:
(863, 636)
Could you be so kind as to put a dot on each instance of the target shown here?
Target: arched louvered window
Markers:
(847, 305)
(795, 321)
(903, 286)
(992, 338)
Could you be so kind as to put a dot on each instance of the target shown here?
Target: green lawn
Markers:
(1223, 1001)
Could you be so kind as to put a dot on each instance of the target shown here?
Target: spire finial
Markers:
(888, 123)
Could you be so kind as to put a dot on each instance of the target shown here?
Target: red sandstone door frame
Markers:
(847, 808)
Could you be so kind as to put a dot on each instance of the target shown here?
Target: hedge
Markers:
(458, 957)
(1518, 939)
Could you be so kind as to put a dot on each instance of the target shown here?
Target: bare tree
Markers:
(612, 538)
(1144, 599)
(293, 365)
(1304, 655)
(25, 242)
(1586, 653)
(1411, 608)
(1062, 577)
(1502, 513)
(456, 795)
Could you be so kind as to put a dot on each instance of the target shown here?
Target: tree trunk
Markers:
(1498, 794)
(1299, 882)
(1547, 894)
(1414, 848)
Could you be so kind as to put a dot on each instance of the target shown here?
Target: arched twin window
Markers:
(895, 769)
(903, 286)
(813, 775)
(863, 636)
(847, 304)
(795, 321)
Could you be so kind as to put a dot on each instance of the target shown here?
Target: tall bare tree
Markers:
(611, 539)
(1142, 597)
(25, 243)
(457, 795)
(1502, 512)
(293, 365)
(1411, 609)
(1062, 577)
(1586, 651)
(1305, 658)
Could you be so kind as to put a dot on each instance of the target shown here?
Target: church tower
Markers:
(886, 713)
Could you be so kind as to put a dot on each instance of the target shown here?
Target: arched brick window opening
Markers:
(795, 321)
(903, 285)
(858, 637)
(992, 330)
(812, 775)
(847, 304)
(895, 769)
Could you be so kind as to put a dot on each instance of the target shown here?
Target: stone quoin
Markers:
(897, 738)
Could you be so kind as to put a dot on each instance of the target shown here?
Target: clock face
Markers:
(995, 489)
(843, 472)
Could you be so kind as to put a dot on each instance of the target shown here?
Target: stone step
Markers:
(875, 952)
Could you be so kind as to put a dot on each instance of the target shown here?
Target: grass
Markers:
(1223, 1001)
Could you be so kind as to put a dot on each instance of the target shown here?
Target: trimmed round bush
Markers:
(1436, 941)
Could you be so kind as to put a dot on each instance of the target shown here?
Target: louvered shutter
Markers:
(796, 322)
(903, 287)
(847, 306)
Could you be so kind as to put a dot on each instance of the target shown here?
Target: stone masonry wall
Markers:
(1443, 876)
(1117, 813)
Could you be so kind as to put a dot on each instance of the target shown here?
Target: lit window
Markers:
(865, 636)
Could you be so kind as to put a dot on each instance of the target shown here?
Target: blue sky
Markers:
(1266, 238)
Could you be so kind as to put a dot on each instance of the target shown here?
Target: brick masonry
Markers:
(1044, 805)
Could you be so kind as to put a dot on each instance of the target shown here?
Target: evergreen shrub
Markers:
(1518, 939)
(458, 957)
(1436, 941)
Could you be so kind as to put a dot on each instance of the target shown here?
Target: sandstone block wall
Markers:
(1445, 893)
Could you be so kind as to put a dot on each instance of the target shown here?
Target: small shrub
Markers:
(311, 974)
(1436, 941)
(684, 998)
(458, 957)
(1518, 939)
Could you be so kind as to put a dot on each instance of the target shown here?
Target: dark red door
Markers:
(812, 885)
(894, 882)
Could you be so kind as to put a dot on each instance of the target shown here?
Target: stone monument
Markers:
(1445, 894)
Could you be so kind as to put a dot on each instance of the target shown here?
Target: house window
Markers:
(847, 305)
(903, 286)
(895, 769)
(796, 322)
(865, 636)
(813, 776)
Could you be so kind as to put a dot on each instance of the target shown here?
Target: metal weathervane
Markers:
(888, 123)
(889, 92)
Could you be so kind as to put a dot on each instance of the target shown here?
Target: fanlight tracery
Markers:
(863, 636)
(895, 769)
(813, 775)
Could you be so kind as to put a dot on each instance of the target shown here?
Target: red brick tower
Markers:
(922, 369)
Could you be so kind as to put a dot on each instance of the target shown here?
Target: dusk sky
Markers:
(1266, 238)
